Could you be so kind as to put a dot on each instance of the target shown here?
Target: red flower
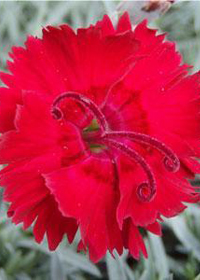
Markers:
(100, 132)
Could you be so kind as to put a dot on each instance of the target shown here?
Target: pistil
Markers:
(171, 161)
(145, 190)
(88, 103)
(104, 138)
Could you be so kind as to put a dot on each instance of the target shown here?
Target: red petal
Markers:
(51, 221)
(133, 240)
(124, 23)
(131, 100)
(156, 105)
(91, 184)
(106, 26)
(190, 167)
(36, 136)
(31, 200)
(147, 38)
(81, 247)
(55, 63)
(155, 228)
(172, 191)
(8, 100)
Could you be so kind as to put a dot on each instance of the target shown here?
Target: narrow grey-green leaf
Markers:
(3, 274)
(186, 236)
(79, 261)
(149, 272)
(197, 277)
(129, 272)
(56, 268)
(169, 277)
(159, 255)
(116, 270)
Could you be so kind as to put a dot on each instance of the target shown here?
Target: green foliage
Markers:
(177, 254)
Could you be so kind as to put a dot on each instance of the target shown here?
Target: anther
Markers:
(87, 103)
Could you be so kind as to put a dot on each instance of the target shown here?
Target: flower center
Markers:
(89, 133)
(99, 136)
(94, 126)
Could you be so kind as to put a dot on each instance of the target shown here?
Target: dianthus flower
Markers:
(100, 132)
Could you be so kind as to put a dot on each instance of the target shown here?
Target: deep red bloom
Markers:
(100, 132)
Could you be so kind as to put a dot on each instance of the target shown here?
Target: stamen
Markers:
(171, 161)
(87, 103)
(147, 190)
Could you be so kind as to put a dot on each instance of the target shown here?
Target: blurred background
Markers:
(177, 254)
